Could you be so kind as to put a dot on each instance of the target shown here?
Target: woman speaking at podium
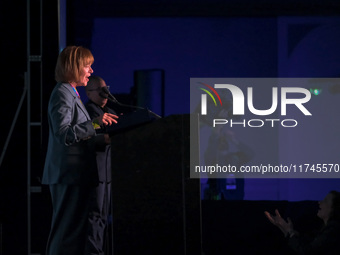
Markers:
(70, 166)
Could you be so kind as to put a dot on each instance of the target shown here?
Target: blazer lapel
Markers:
(77, 99)
(82, 107)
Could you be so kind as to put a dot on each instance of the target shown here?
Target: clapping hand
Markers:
(285, 226)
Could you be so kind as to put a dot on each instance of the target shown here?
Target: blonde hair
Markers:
(70, 62)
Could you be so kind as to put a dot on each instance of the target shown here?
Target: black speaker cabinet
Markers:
(156, 206)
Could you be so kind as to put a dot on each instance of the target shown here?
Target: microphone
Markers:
(107, 94)
(103, 95)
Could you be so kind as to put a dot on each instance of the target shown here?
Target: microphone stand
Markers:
(114, 100)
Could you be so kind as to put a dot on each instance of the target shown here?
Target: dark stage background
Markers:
(183, 39)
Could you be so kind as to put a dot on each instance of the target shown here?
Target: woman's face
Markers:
(325, 207)
(85, 73)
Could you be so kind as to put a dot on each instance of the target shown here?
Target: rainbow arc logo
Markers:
(204, 98)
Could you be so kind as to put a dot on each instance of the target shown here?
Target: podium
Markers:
(156, 206)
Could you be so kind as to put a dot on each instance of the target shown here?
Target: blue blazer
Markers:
(71, 156)
(103, 149)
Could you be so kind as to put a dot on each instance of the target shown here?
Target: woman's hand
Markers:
(285, 226)
(107, 119)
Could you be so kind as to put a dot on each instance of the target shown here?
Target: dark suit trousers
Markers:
(69, 228)
(99, 213)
